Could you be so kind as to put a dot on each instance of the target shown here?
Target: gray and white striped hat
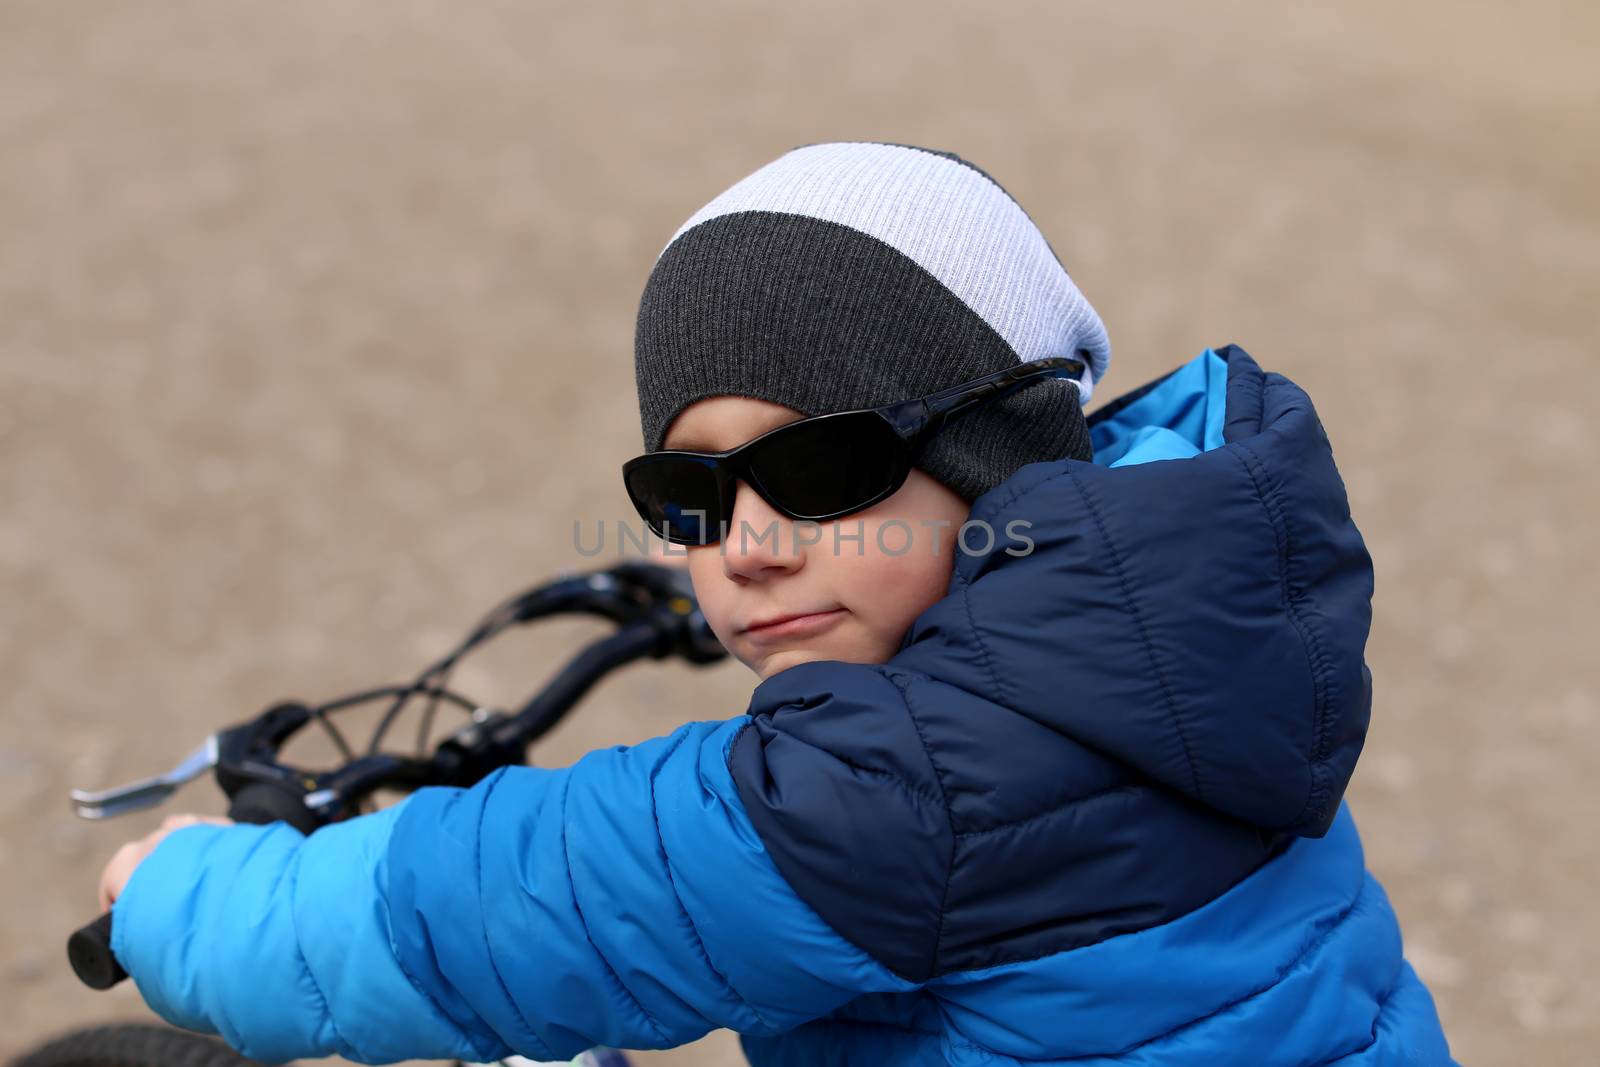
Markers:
(851, 274)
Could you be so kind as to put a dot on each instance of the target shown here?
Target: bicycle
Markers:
(657, 616)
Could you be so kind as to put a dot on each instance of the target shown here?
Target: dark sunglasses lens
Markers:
(677, 496)
(829, 465)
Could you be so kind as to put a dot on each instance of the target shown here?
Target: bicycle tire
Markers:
(133, 1045)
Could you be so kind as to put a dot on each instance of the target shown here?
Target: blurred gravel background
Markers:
(315, 338)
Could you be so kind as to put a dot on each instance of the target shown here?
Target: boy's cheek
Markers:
(886, 593)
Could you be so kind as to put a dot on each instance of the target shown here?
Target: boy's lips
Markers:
(792, 625)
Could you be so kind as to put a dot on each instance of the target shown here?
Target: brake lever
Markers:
(146, 792)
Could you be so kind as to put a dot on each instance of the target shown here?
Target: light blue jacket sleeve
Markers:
(624, 901)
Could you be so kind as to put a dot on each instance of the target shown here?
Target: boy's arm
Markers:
(626, 900)
(280, 944)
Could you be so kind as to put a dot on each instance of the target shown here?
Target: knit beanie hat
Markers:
(853, 274)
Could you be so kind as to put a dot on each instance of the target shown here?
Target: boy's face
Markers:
(863, 593)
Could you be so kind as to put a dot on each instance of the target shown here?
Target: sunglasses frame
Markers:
(913, 423)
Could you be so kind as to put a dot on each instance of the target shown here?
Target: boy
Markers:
(1065, 791)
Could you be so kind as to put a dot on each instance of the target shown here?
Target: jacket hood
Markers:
(1206, 597)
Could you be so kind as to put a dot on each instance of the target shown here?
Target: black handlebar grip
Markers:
(263, 802)
(89, 952)
(89, 947)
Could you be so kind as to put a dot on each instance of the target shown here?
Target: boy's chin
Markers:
(782, 659)
(779, 662)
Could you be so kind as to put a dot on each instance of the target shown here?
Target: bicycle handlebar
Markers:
(657, 615)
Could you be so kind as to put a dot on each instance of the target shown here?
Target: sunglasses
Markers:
(818, 468)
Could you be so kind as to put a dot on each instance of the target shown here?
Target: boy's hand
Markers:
(122, 864)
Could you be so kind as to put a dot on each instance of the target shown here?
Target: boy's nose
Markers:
(760, 541)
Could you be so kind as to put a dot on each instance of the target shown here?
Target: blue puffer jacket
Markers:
(1090, 813)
